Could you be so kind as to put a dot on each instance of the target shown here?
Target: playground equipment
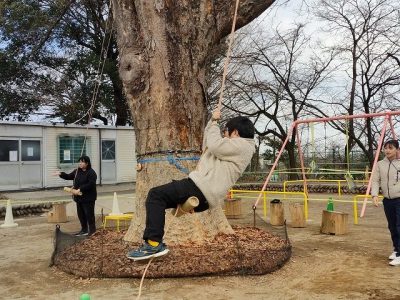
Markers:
(297, 215)
(349, 178)
(126, 218)
(297, 197)
(116, 215)
(387, 119)
(277, 213)
(334, 222)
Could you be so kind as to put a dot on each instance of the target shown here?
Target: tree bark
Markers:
(163, 48)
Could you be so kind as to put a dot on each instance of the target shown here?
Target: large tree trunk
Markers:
(163, 49)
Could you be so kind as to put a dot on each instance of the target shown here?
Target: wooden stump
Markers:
(233, 208)
(297, 215)
(58, 214)
(334, 222)
(277, 217)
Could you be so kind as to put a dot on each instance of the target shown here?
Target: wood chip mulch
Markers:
(250, 251)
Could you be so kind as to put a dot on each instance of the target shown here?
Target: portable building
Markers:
(30, 153)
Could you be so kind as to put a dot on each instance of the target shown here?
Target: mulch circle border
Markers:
(250, 251)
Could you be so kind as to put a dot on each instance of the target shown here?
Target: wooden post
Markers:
(297, 215)
(334, 222)
(277, 216)
(233, 208)
(58, 214)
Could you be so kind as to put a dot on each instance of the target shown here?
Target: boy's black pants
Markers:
(392, 212)
(168, 196)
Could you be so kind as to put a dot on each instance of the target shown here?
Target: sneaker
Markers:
(147, 251)
(393, 255)
(81, 233)
(395, 262)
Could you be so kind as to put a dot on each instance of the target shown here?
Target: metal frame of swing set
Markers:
(313, 166)
(387, 119)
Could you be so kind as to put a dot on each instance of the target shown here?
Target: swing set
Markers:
(317, 171)
(348, 176)
(314, 169)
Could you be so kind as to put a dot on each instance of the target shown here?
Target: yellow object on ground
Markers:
(118, 219)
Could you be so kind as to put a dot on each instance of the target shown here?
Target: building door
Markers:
(9, 164)
(108, 164)
(20, 164)
(30, 164)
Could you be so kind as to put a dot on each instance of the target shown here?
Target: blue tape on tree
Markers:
(171, 159)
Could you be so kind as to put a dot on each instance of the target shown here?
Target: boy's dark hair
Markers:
(86, 159)
(394, 143)
(243, 125)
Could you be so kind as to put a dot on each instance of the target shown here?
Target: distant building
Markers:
(31, 152)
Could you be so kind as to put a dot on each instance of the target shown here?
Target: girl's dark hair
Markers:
(86, 159)
(243, 125)
(394, 143)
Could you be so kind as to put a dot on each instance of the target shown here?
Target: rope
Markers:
(312, 142)
(347, 146)
(142, 280)
(100, 70)
(148, 264)
(349, 178)
(232, 37)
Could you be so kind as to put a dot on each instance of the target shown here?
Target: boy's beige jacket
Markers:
(222, 163)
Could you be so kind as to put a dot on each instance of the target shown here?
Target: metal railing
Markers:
(338, 181)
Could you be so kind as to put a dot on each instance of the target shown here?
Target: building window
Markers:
(108, 150)
(9, 150)
(71, 148)
(30, 150)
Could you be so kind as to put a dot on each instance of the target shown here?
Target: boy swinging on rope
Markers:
(222, 163)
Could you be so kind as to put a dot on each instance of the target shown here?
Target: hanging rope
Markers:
(228, 56)
(313, 164)
(349, 178)
(325, 140)
(100, 70)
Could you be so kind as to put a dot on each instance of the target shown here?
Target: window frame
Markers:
(75, 153)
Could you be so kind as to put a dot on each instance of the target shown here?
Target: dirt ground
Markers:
(351, 266)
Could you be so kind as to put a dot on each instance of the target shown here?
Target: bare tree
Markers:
(279, 78)
(367, 34)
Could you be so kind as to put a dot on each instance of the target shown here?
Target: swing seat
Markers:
(313, 170)
(350, 182)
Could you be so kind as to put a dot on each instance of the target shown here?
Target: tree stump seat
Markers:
(334, 222)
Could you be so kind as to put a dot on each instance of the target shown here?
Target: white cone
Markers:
(9, 220)
(115, 209)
